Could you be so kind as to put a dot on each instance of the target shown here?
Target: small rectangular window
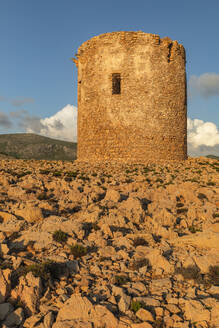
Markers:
(116, 83)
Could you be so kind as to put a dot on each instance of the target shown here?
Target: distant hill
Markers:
(213, 156)
(33, 146)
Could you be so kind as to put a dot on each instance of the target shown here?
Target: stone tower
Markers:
(131, 98)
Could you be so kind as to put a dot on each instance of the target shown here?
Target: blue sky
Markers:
(38, 38)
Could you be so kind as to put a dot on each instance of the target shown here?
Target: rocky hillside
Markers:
(114, 246)
(33, 146)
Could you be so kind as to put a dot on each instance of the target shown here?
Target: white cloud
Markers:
(62, 125)
(202, 133)
(203, 138)
(207, 85)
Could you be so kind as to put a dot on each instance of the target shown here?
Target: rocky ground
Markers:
(109, 246)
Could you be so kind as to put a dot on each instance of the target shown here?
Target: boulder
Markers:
(80, 308)
(29, 292)
(5, 284)
(41, 240)
(7, 216)
(30, 212)
(5, 309)
(15, 318)
(205, 239)
(144, 315)
(195, 311)
(112, 195)
(72, 324)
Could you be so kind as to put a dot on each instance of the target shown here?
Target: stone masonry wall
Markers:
(148, 119)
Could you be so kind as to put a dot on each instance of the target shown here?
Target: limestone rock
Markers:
(72, 324)
(100, 315)
(159, 286)
(205, 239)
(7, 216)
(80, 308)
(48, 320)
(132, 207)
(32, 321)
(5, 309)
(157, 260)
(215, 314)
(4, 249)
(77, 307)
(112, 195)
(195, 311)
(141, 325)
(41, 239)
(148, 301)
(15, 318)
(30, 213)
(29, 292)
(12, 225)
(144, 315)
(5, 284)
(124, 303)
(204, 262)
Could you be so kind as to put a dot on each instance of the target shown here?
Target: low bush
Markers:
(78, 250)
(135, 306)
(60, 236)
(120, 280)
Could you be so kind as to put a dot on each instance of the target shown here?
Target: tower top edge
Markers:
(129, 35)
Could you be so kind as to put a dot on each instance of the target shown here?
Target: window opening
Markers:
(116, 83)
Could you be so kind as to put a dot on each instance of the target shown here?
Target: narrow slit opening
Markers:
(116, 84)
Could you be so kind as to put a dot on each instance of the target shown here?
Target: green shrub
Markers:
(213, 274)
(120, 280)
(158, 323)
(194, 229)
(41, 270)
(71, 174)
(89, 226)
(211, 183)
(159, 180)
(84, 178)
(128, 180)
(179, 205)
(199, 171)
(22, 174)
(57, 173)
(182, 210)
(45, 270)
(135, 306)
(60, 236)
(78, 250)
(202, 196)
(146, 170)
(139, 263)
(140, 242)
(68, 179)
(44, 172)
(43, 196)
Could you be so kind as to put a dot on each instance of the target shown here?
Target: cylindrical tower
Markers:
(131, 98)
